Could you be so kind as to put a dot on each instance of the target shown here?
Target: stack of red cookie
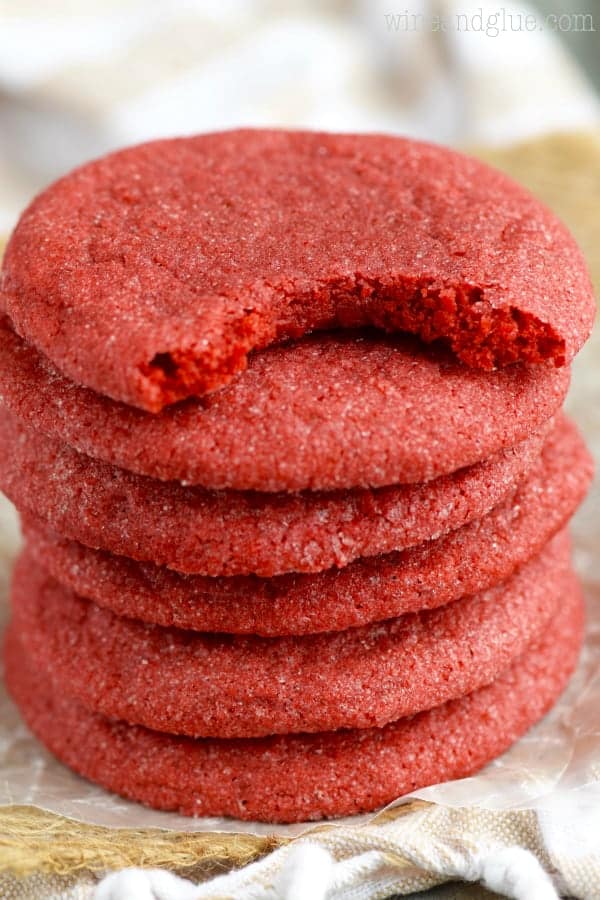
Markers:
(281, 414)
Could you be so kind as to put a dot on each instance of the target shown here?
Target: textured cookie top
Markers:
(203, 532)
(465, 561)
(150, 274)
(226, 686)
(291, 778)
(330, 411)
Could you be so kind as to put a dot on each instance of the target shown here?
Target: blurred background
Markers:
(80, 78)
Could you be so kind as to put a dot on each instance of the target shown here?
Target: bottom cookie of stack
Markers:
(299, 777)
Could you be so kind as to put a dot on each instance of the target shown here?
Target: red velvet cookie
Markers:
(185, 682)
(301, 777)
(466, 561)
(205, 532)
(331, 411)
(150, 274)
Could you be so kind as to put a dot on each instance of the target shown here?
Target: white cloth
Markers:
(524, 855)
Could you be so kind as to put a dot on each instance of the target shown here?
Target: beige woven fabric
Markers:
(515, 853)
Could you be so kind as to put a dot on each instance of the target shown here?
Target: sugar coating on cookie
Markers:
(194, 530)
(329, 411)
(165, 264)
(294, 778)
(202, 685)
(465, 561)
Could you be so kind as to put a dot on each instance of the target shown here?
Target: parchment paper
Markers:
(562, 753)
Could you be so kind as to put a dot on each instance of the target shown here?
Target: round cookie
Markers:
(165, 264)
(466, 561)
(302, 777)
(330, 411)
(205, 532)
(184, 682)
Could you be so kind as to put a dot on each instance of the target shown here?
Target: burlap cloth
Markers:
(414, 846)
